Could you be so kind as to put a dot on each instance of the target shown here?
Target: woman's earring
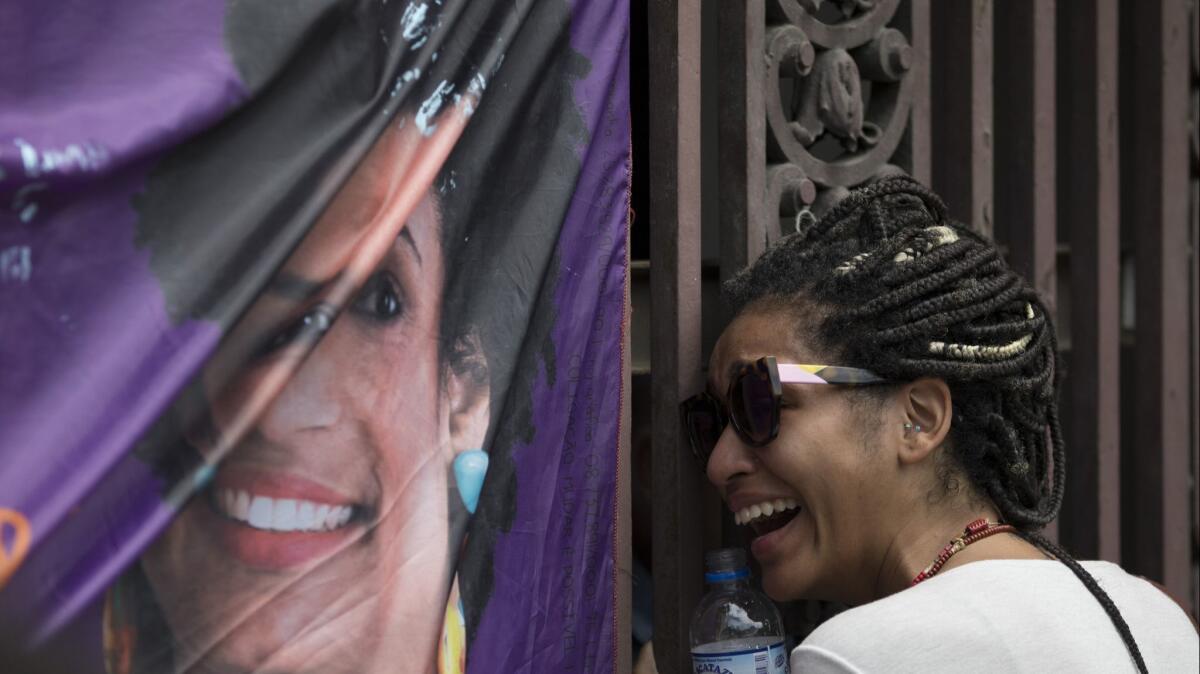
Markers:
(470, 468)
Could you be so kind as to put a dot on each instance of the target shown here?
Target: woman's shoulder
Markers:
(900, 632)
(1008, 611)
(993, 589)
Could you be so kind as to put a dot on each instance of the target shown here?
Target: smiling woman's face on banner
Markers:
(330, 516)
(309, 374)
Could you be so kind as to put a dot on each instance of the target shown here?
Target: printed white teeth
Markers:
(241, 508)
(306, 515)
(284, 514)
(764, 509)
(260, 512)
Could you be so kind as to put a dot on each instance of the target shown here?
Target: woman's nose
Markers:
(730, 458)
(308, 401)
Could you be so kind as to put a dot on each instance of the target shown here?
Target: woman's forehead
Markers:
(754, 334)
(424, 227)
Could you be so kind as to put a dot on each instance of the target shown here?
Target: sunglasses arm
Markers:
(797, 374)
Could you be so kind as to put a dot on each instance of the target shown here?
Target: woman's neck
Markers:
(916, 544)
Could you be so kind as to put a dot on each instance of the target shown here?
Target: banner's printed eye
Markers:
(380, 298)
(309, 327)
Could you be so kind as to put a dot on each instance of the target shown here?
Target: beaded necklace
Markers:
(975, 531)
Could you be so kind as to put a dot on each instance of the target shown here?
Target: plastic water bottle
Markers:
(735, 629)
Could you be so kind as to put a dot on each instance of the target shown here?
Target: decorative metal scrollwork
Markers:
(793, 194)
(837, 101)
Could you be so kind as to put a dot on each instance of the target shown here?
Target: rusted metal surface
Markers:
(961, 109)
(1089, 210)
(1156, 491)
(674, 166)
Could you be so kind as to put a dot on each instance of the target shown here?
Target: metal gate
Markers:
(1066, 130)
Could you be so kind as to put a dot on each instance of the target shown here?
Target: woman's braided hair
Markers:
(902, 290)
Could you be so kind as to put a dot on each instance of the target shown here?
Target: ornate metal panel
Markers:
(831, 109)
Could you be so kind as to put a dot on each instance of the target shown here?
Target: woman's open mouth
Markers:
(766, 520)
(274, 520)
(279, 514)
(768, 516)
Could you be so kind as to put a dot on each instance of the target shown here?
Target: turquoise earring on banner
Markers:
(470, 468)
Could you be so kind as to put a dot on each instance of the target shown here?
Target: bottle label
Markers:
(766, 659)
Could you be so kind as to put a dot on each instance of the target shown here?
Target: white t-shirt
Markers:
(1006, 615)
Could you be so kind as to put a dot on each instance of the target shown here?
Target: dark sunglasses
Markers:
(753, 402)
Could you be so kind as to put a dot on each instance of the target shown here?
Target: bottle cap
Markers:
(725, 564)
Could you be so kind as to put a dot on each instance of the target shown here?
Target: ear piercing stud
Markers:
(911, 427)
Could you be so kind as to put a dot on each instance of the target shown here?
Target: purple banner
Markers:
(310, 334)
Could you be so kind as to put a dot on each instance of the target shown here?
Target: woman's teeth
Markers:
(280, 514)
(764, 509)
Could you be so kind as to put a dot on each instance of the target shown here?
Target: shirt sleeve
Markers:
(817, 660)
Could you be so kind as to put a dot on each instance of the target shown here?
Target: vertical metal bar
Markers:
(1194, 339)
(962, 109)
(1156, 186)
(1025, 169)
(741, 147)
(623, 540)
(1025, 137)
(1088, 208)
(916, 148)
(674, 135)
(741, 122)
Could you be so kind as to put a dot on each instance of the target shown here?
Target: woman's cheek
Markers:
(397, 383)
